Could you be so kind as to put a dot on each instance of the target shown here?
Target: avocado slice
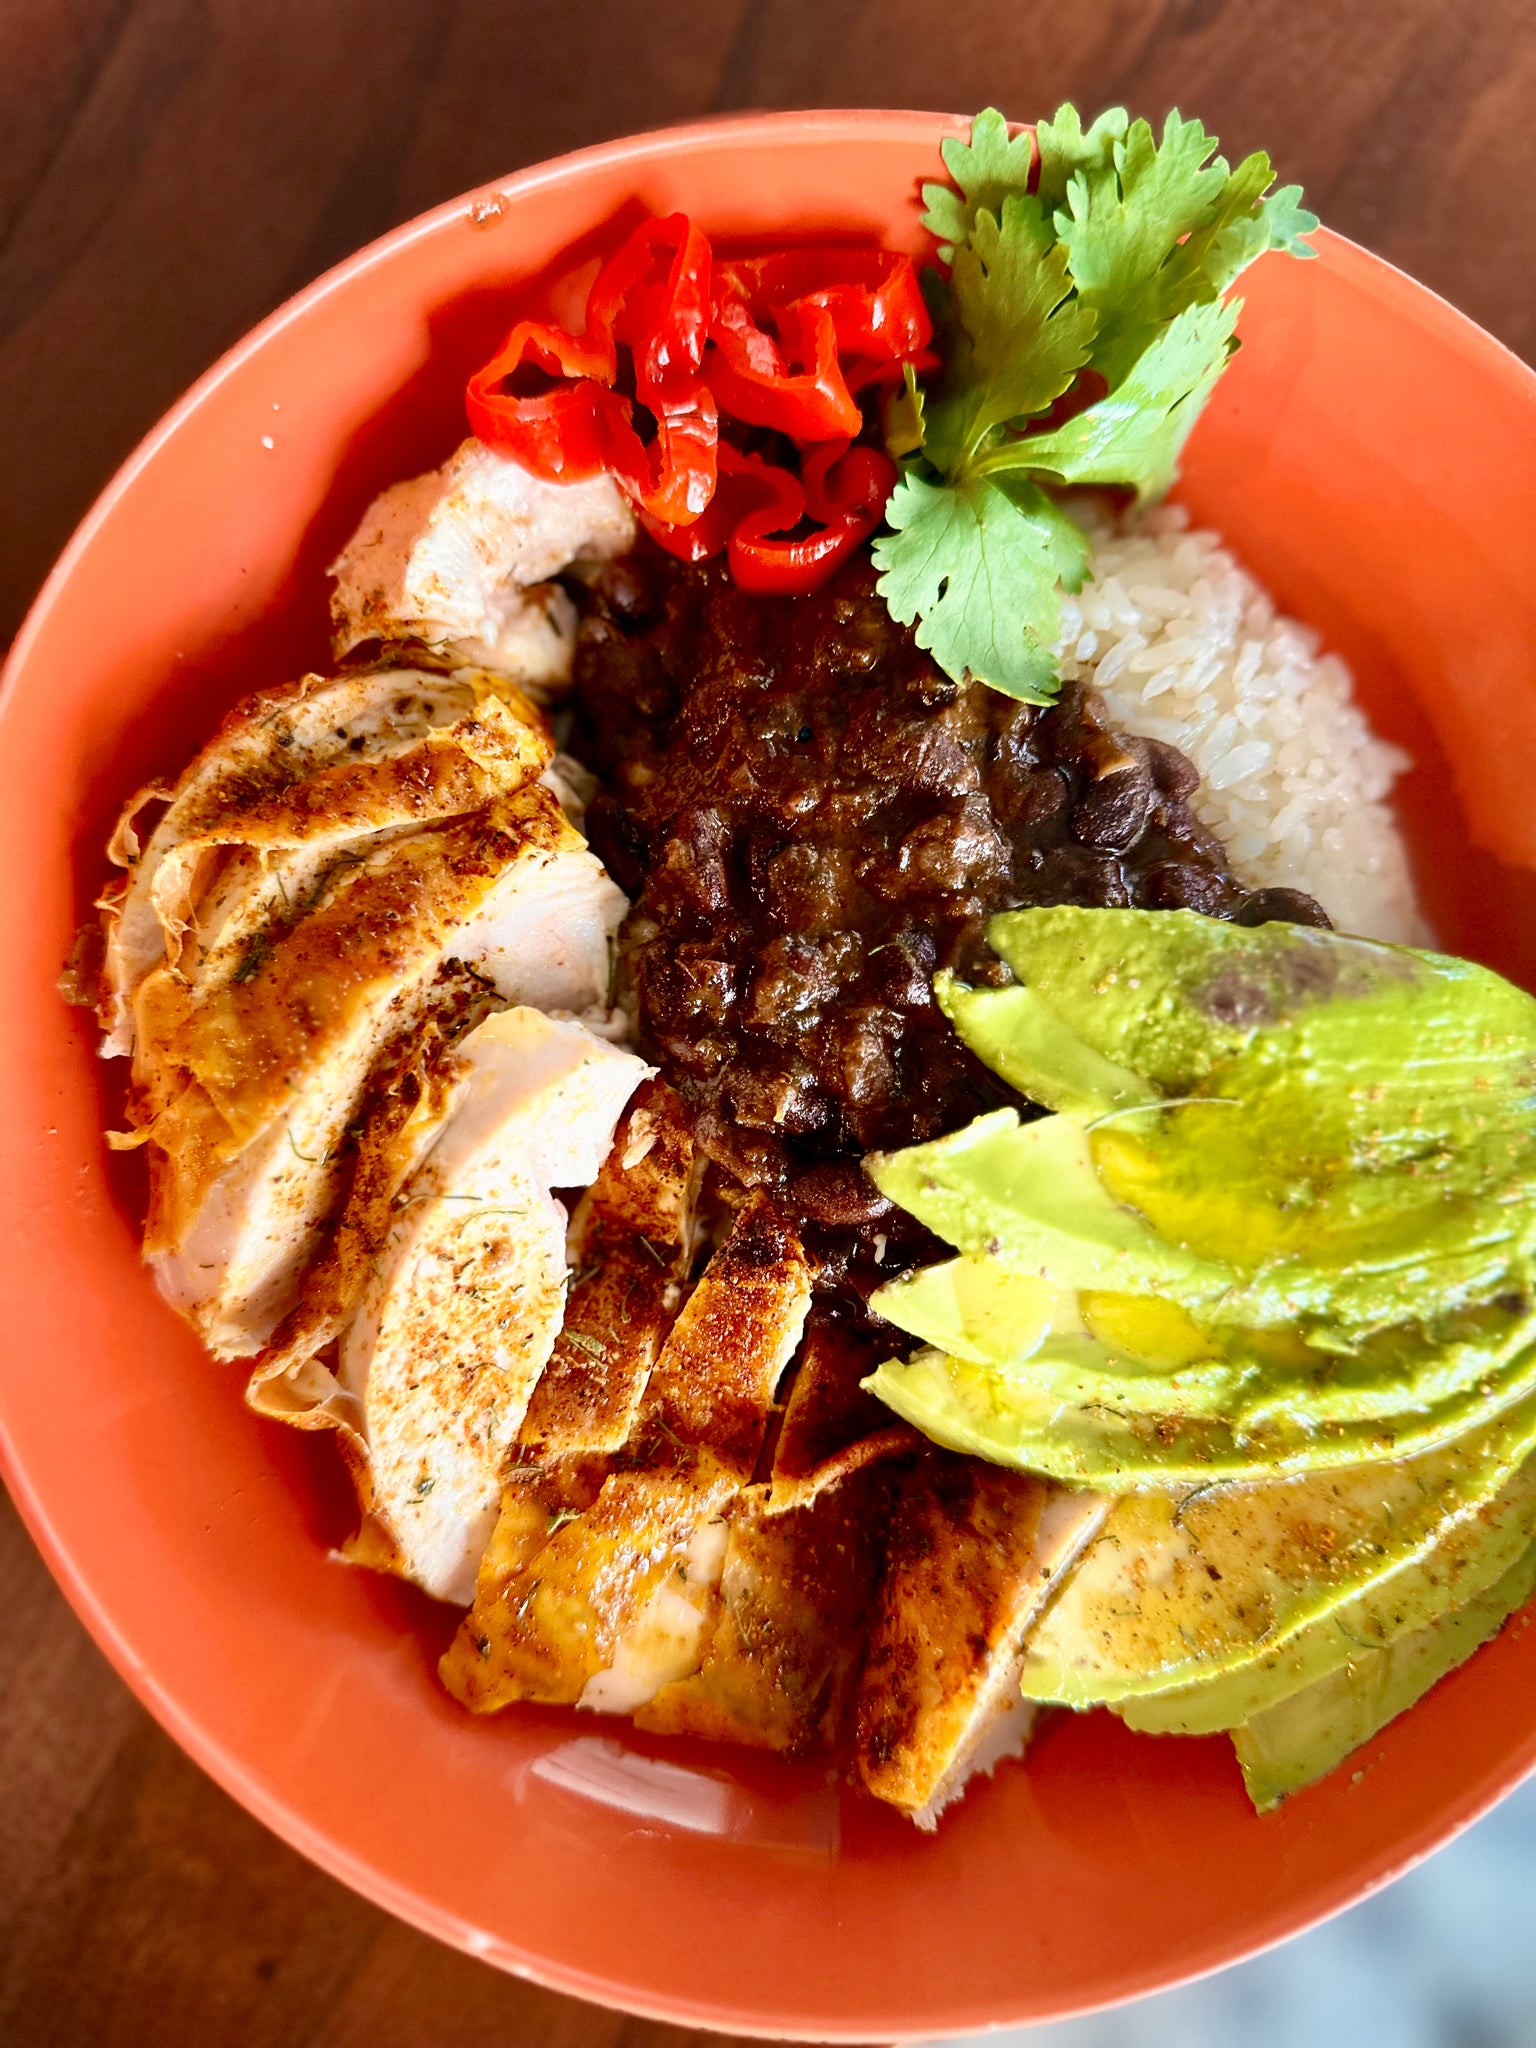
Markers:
(1464, 1561)
(971, 1308)
(1311, 1732)
(1376, 1102)
(1018, 1035)
(1343, 1198)
(1171, 996)
(1179, 1589)
(1067, 1202)
(1140, 1355)
(1002, 1415)
(1027, 1195)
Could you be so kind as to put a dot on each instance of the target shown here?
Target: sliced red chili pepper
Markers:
(843, 320)
(845, 487)
(673, 477)
(864, 374)
(750, 493)
(580, 427)
(873, 295)
(663, 320)
(751, 375)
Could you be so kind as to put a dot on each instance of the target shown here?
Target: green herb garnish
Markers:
(1082, 327)
(592, 1346)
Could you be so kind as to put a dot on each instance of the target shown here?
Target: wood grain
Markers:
(170, 170)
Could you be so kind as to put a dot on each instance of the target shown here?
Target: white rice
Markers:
(1185, 646)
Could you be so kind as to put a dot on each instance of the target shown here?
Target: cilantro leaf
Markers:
(985, 170)
(1065, 149)
(1103, 287)
(1022, 336)
(1287, 220)
(1158, 228)
(1238, 228)
(977, 566)
(1136, 434)
(905, 428)
(1123, 222)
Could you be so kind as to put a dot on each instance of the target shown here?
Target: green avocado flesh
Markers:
(1263, 1275)
(1147, 1438)
(1180, 1590)
(1310, 1733)
(1474, 1553)
(1287, 1204)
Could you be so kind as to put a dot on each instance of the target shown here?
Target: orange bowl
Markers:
(1373, 456)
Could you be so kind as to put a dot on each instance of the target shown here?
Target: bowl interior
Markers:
(1370, 455)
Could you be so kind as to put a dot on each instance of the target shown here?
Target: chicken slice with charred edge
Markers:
(248, 1088)
(801, 1564)
(975, 1550)
(615, 1602)
(291, 778)
(781, 1645)
(630, 1246)
(411, 1092)
(466, 1298)
(831, 1427)
(460, 559)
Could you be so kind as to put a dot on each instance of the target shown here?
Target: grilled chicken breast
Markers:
(460, 559)
(465, 1303)
(411, 1092)
(831, 1427)
(802, 1561)
(333, 849)
(291, 777)
(248, 1088)
(974, 1552)
(631, 1246)
(615, 1602)
(784, 1634)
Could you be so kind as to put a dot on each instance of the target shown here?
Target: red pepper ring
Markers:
(663, 321)
(873, 295)
(866, 376)
(752, 380)
(673, 477)
(580, 428)
(561, 434)
(749, 492)
(552, 432)
(845, 487)
(839, 480)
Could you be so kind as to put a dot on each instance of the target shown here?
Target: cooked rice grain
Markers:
(1185, 646)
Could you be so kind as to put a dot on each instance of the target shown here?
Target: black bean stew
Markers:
(811, 818)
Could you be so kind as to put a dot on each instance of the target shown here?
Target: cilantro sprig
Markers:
(1082, 327)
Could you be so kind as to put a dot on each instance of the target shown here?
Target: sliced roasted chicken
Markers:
(411, 1092)
(782, 1641)
(616, 1601)
(831, 1427)
(293, 779)
(802, 1557)
(975, 1550)
(631, 1246)
(465, 1303)
(460, 559)
(249, 1087)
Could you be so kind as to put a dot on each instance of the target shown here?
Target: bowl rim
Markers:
(213, 1755)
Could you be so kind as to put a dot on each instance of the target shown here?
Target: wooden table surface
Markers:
(172, 169)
